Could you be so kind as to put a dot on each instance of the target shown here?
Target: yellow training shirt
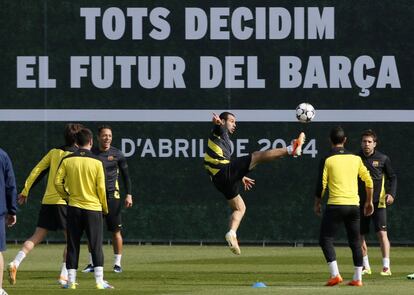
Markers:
(80, 179)
(340, 173)
(49, 162)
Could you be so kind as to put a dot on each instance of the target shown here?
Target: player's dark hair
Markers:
(337, 135)
(71, 129)
(371, 133)
(104, 127)
(84, 136)
(225, 115)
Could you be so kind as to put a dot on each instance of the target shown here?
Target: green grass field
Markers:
(212, 270)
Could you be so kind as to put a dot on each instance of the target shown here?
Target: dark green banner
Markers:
(156, 71)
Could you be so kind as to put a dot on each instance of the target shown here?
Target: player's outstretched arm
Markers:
(37, 173)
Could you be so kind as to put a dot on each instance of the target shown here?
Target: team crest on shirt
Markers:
(375, 163)
(110, 158)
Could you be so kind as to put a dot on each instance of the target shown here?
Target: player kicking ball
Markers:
(227, 173)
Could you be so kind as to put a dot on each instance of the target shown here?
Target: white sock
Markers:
(333, 268)
(357, 273)
(98, 271)
(365, 262)
(386, 262)
(64, 271)
(19, 258)
(71, 276)
(117, 259)
(289, 149)
(90, 259)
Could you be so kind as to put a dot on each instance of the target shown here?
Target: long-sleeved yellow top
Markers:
(49, 163)
(80, 179)
(339, 174)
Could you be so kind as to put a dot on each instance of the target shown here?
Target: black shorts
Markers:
(227, 180)
(52, 217)
(379, 218)
(113, 218)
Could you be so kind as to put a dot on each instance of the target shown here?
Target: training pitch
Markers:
(212, 270)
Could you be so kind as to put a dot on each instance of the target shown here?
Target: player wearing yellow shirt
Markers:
(339, 174)
(52, 214)
(80, 179)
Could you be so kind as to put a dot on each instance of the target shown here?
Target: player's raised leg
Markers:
(270, 155)
(297, 145)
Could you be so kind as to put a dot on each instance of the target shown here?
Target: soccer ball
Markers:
(305, 112)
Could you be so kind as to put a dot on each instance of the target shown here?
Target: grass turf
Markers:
(209, 270)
